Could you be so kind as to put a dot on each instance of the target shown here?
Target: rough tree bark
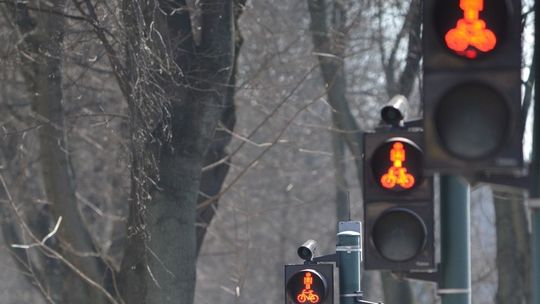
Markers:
(513, 247)
(160, 257)
(217, 160)
(40, 50)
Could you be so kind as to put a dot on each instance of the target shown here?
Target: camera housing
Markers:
(307, 251)
(395, 111)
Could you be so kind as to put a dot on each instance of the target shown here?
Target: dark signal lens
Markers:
(399, 235)
(472, 121)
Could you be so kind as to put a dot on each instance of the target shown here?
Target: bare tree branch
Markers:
(49, 250)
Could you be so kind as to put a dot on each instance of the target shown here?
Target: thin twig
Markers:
(263, 122)
(42, 242)
(49, 11)
(51, 251)
(213, 199)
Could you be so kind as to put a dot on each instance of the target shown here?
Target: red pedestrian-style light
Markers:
(470, 34)
(308, 295)
(397, 174)
(397, 164)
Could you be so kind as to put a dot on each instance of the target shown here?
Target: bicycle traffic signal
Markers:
(472, 85)
(398, 203)
(309, 284)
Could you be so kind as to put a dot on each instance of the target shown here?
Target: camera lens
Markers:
(305, 253)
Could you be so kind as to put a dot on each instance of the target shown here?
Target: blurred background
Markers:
(287, 167)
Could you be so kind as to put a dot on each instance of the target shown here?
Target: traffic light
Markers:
(398, 203)
(309, 284)
(472, 85)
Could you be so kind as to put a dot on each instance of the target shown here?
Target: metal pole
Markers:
(534, 199)
(455, 287)
(536, 255)
(535, 169)
(349, 254)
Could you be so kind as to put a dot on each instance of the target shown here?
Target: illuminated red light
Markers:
(307, 295)
(397, 174)
(470, 34)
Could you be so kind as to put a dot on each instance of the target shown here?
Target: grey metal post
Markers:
(455, 287)
(534, 199)
(536, 255)
(349, 255)
(535, 168)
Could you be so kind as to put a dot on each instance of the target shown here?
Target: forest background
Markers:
(180, 151)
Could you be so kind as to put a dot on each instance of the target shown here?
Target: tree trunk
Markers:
(160, 258)
(513, 247)
(217, 159)
(332, 70)
(41, 58)
(342, 193)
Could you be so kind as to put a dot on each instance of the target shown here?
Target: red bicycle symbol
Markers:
(397, 176)
(307, 295)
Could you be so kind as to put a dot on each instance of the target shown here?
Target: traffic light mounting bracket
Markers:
(432, 276)
(368, 302)
(329, 258)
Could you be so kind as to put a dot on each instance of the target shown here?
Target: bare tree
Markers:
(40, 50)
(178, 83)
(329, 41)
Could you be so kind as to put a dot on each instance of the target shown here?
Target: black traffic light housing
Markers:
(309, 283)
(398, 215)
(472, 97)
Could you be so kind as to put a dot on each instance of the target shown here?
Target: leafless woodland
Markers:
(160, 151)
